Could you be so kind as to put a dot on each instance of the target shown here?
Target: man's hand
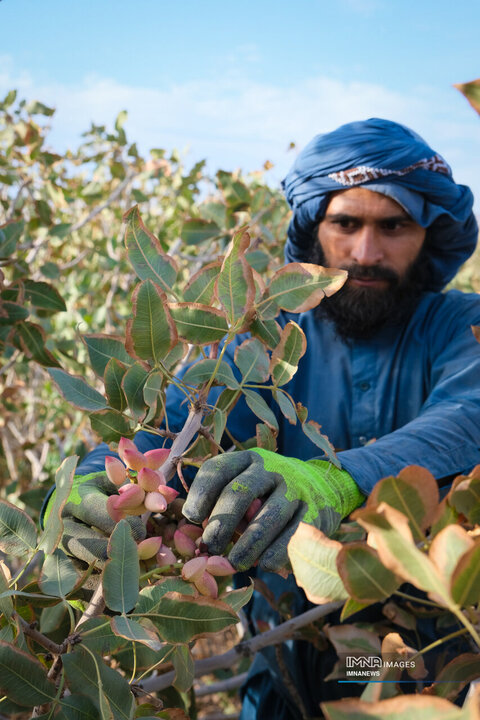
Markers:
(292, 490)
(86, 522)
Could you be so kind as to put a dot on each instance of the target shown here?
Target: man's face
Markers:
(363, 229)
(373, 238)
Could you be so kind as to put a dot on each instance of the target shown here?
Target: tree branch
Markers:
(232, 683)
(114, 195)
(247, 648)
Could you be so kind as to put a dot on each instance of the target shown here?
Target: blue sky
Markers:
(235, 83)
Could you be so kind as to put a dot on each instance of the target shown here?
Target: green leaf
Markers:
(219, 424)
(183, 664)
(465, 497)
(395, 708)
(11, 313)
(312, 431)
(18, 534)
(23, 679)
(201, 286)
(456, 674)
(259, 407)
(447, 547)
(313, 557)
(153, 390)
(286, 406)
(298, 287)
(59, 576)
(122, 571)
(466, 578)
(32, 341)
(414, 493)
(133, 631)
(110, 425)
(63, 486)
(133, 383)
(287, 354)
(350, 608)
(268, 331)
(365, 578)
(253, 361)
(180, 618)
(10, 234)
(78, 707)
(34, 107)
(114, 373)
(202, 371)
(102, 348)
(76, 391)
(199, 324)
(52, 618)
(236, 599)
(151, 334)
(42, 295)
(236, 193)
(146, 254)
(197, 231)
(150, 597)
(235, 287)
(471, 90)
(97, 635)
(88, 675)
(6, 602)
(60, 230)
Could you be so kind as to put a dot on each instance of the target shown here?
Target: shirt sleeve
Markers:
(445, 436)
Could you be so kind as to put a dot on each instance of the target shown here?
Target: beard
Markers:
(360, 312)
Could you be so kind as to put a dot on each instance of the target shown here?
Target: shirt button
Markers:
(362, 440)
(364, 386)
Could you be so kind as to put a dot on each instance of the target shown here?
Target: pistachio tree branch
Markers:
(246, 648)
(113, 196)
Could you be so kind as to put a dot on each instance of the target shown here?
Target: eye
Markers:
(393, 225)
(346, 223)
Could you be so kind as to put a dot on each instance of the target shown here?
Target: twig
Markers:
(11, 211)
(113, 196)
(232, 683)
(287, 681)
(39, 637)
(182, 441)
(77, 259)
(246, 648)
(10, 363)
(180, 475)
(95, 606)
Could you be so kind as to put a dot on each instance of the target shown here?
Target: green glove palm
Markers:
(314, 491)
(86, 522)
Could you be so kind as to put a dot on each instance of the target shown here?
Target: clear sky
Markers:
(236, 82)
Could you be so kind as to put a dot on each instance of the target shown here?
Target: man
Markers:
(391, 372)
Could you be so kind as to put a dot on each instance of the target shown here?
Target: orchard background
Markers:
(67, 277)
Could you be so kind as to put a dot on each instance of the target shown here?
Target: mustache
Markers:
(372, 272)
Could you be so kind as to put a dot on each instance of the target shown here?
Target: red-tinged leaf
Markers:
(350, 639)
(76, 391)
(312, 431)
(121, 573)
(151, 334)
(18, 534)
(31, 339)
(298, 287)
(44, 296)
(199, 324)
(146, 254)
(414, 493)
(102, 348)
(364, 576)
(287, 354)
(302, 412)
(476, 332)
(203, 370)
(183, 663)
(11, 313)
(111, 425)
(252, 360)
(235, 287)
(448, 547)
(201, 286)
(125, 627)
(114, 373)
(265, 437)
(455, 675)
(471, 90)
(465, 495)
(313, 557)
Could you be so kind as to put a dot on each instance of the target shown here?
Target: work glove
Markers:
(292, 490)
(86, 521)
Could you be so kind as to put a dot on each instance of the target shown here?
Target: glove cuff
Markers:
(333, 487)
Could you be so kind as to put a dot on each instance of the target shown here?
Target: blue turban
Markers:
(388, 158)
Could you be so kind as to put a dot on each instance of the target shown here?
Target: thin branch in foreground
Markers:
(246, 648)
(232, 683)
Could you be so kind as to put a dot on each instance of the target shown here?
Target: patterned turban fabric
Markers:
(391, 159)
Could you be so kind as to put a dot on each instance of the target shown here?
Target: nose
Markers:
(367, 247)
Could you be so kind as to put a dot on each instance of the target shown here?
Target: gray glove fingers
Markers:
(210, 480)
(275, 556)
(232, 505)
(266, 528)
(83, 542)
(92, 511)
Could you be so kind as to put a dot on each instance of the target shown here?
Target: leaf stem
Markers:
(440, 641)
